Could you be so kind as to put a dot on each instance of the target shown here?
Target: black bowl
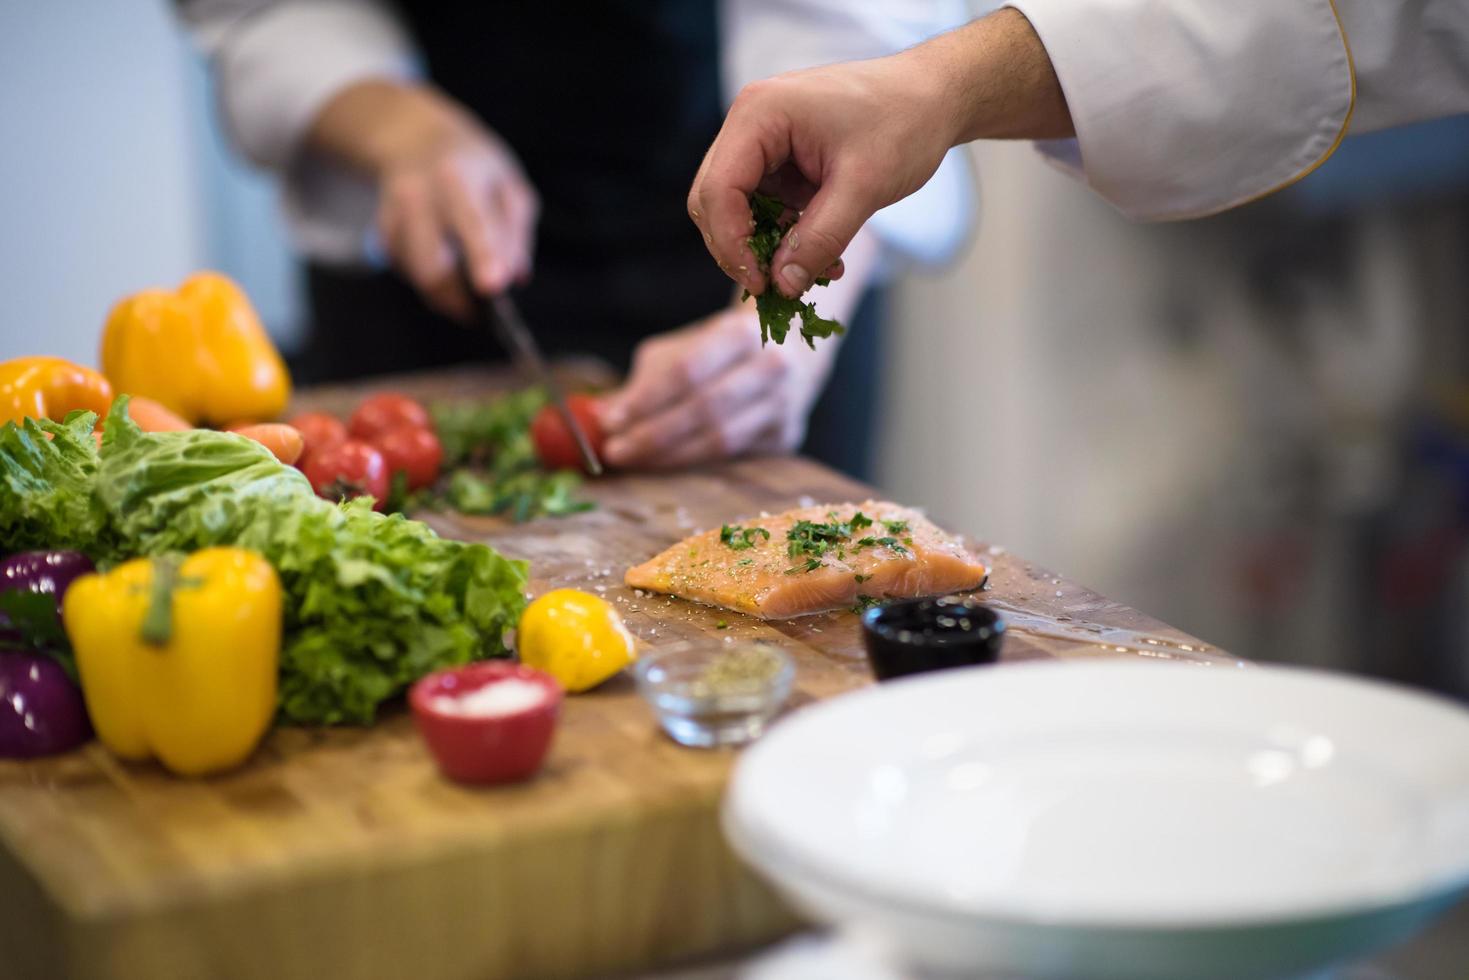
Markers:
(911, 636)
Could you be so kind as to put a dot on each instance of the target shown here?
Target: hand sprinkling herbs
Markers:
(775, 310)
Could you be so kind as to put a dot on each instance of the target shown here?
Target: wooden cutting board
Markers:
(342, 853)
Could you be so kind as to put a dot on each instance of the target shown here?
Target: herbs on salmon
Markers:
(882, 542)
(738, 538)
(815, 541)
(776, 311)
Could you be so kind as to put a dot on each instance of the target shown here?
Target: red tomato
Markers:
(348, 469)
(318, 431)
(382, 413)
(554, 442)
(415, 452)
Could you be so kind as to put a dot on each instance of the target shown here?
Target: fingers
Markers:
(479, 227)
(752, 143)
(814, 245)
(733, 437)
(788, 185)
(522, 209)
(473, 204)
(495, 228)
(750, 153)
(721, 419)
(667, 368)
(416, 238)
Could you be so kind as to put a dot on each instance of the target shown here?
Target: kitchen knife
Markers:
(501, 316)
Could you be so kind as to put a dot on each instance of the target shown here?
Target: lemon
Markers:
(576, 637)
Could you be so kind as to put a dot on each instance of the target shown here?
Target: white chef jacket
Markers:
(277, 62)
(1187, 107)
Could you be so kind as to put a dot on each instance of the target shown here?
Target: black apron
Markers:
(609, 106)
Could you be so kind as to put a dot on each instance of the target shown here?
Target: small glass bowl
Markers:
(695, 712)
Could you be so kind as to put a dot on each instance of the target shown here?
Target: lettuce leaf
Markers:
(47, 471)
(181, 491)
(373, 602)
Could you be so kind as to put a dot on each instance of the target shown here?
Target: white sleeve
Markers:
(761, 38)
(277, 62)
(1184, 108)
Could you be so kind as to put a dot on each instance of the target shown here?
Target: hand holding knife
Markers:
(500, 315)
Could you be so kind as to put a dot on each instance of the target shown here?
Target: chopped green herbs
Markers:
(775, 310)
(817, 540)
(896, 527)
(493, 438)
(883, 542)
(745, 561)
(859, 578)
(521, 495)
(810, 538)
(477, 431)
(721, 625)
(738, 538)
(809, 565)
(865, 602)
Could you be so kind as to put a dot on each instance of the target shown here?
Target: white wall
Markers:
(1132, 406)
(1030, 401)
(111, 177)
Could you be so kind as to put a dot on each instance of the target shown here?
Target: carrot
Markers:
(152, 416)
(282, 440)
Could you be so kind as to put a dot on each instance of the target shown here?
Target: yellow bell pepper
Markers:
(178, 659)
(49, 388)
(575, 637)
(200, 351)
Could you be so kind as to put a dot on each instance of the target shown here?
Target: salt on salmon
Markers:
(813, 559)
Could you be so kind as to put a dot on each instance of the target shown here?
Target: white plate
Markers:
(1115, 819)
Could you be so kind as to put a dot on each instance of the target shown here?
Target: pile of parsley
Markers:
(775, 310)
(492, 465)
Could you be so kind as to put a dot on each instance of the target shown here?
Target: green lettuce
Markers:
(47, 471)
(373, 601)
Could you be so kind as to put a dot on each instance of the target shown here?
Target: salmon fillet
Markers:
(840, 552)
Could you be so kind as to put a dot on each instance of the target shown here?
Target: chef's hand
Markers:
(446, 186)
(842, 141)
(710, 391)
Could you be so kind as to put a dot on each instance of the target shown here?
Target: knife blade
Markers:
(500, 314)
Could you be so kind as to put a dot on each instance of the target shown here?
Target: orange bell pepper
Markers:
(200, 351)
(49, 388)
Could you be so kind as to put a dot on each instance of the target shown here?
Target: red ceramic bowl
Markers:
(495, 749)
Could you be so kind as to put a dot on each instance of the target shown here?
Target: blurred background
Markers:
(1254, 427)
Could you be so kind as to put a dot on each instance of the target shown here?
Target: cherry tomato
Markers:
(555, 445)
(413, 451)
(381, 413)
(318, 431)
(348, 469)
